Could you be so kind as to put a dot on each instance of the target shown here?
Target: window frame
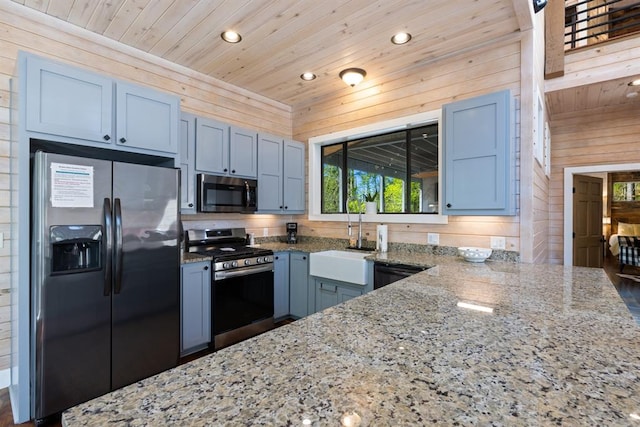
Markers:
(401, 123)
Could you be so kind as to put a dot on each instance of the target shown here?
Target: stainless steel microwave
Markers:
(226, 194)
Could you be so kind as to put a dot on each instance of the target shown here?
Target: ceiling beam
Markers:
(554, 39)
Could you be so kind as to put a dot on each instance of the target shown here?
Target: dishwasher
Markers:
(386, 273)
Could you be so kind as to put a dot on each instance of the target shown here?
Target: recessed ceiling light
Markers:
(400, 38)
(231, 37)
(308, 76)
(635, 82)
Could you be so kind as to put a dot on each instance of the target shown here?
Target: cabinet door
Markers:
(299, 284)
(326, 294)
(280, 285)
(270, 172)
(243, 152)
(66, 101)
(146, 119)
(187, 151)
(477, 156)
(196, 306)
(347, 293)
(212, 146)
(294, 177)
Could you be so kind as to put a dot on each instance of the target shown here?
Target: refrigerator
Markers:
(105, 281)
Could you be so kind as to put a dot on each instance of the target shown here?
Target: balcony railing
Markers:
(588, 22)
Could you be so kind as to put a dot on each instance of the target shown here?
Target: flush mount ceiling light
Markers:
(352, 76)
(231, 37)
(635, 82)
(308, 76)
(400, 38)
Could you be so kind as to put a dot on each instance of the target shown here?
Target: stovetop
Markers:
(222, 244)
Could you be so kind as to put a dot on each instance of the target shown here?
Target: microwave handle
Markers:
(247, 192)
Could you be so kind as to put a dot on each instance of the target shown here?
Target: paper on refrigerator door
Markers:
(71, 186)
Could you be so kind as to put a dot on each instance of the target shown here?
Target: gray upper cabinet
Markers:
(80, 106)
(67, 101)
(187, 156)
(212, 146)
(146, 119)
(479, 168)
(225, 150)
(243, 152)
(294, 176)
(281, 173)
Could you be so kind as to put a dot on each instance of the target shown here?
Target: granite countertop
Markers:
(560, 348)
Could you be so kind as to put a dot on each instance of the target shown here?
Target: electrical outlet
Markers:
(498, 243)
(433, 238)
(265, 232)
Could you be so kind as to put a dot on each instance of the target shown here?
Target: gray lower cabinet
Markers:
(281, 278)
(80, 106)
(330, 292)
(301, 295)
(195, 313)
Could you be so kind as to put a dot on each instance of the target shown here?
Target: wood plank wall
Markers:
(602, 136)
(24, 29)
(418, 90)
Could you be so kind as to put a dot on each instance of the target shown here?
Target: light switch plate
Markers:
(433, 238)
(498, 243)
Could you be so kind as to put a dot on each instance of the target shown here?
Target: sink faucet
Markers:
(359, 225)
(349, 230)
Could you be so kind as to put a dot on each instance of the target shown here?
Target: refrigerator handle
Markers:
(108, 233)
(117, 211)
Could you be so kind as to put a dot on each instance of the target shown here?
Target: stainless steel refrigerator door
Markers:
(145, 308)
(71, 330)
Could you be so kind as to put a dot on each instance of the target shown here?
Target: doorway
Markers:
(568, 199)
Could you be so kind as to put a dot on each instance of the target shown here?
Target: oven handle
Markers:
(245, 271)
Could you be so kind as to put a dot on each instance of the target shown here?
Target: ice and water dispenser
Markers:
(75, 248)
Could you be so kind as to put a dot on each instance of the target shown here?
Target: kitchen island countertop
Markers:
(560, 347)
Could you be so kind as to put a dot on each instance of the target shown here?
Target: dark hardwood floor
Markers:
(627, 283)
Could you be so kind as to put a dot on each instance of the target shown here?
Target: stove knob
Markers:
(259, 260)
(247, 262)
(268, 259)
(225, 265)
(234, 264)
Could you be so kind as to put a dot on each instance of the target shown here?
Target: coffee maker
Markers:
(292, 232)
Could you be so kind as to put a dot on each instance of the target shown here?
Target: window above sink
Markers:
(394, 163)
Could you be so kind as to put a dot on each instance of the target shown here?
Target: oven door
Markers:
(241, 300)
(226, 194)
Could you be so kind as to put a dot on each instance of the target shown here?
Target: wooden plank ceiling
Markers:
(284, 38)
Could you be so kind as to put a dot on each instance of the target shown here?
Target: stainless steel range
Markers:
(241, 286)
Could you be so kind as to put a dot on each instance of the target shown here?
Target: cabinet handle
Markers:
(190, 205)
(333, 289)
(123, 140)
(106, 137)
(286, 207)
(277, 257)
(280, 207)
(304, 258)
(448, 205)
(233, 171)
(225, 170)
(206, 267)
